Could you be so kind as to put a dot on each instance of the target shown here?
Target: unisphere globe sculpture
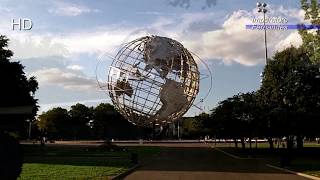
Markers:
(153, 79)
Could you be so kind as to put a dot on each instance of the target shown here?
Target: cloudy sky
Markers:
(70, 39)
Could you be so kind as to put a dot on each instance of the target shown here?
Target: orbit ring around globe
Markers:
(153, 79)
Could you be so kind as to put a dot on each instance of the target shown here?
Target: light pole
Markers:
(178, 130)
(262, 8)
(29, 130)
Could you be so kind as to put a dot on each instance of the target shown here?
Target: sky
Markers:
(70, 45)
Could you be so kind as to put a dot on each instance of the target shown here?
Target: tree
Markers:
(17, 104)
(11, 155)
(102, 116)
(249, 113)
(237, 117)
(56, 123)
(290, 94)
(226, 117)
(80, 116)
(191, 127)
(82, 122)
(109, 124)
(16, 93)
(205, 124)
(311, 39)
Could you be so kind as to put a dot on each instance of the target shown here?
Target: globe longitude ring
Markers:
(153, 79)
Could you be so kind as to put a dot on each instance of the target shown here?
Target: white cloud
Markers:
(5, 10)
(294, 13)
(187, 3)
(75, 67)
(92, 42)
(88, 102)
(64, 9)
(6, 15)
(234, 43)
(230, 42)
(26, 45)
(154, 13)
(294, 39)
(29, 45)
(72, 80)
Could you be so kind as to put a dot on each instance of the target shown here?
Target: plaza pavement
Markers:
(199, 161)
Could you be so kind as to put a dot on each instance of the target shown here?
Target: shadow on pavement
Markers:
(201, 159)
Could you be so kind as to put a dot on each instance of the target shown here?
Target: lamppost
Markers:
(178, 129)
(29, 129)
(262, 8)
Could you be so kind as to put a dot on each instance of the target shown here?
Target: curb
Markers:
(293, 172)
(124, 174)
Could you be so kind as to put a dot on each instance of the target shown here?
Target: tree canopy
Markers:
(290, 91)
(311, 38)
(55, 123)
(16, 93)
(82, 122)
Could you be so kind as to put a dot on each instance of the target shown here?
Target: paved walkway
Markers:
(196, 163)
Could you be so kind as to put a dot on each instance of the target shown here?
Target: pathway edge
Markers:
(293, 172)
(124, 174)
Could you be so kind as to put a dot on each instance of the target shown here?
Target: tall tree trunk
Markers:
(74, 134)
(256, 143)
(289, 143)
(270, 142)
(299, 142)
(243, 143)
(250, 143)
(235, 142)
(286, 155)
(289, 150)
(215, 142)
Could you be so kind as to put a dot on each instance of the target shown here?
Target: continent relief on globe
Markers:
(173, 99)
(164, 55)
(123, 87)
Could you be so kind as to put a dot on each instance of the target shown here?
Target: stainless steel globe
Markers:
(153, 79)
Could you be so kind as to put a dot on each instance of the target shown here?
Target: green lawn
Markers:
(58, 171)
(72, 162)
